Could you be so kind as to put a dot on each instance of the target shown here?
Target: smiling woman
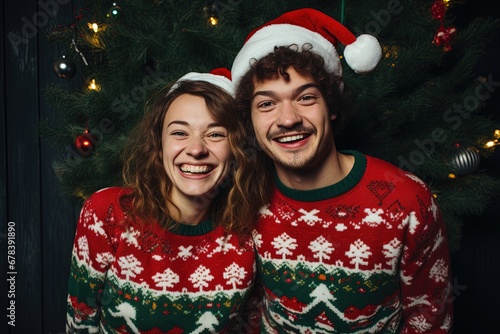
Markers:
(195, 153)
(172, 250)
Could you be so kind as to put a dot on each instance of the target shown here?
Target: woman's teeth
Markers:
(195, 169)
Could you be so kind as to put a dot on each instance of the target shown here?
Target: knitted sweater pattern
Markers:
(365, 255)
(142, 278)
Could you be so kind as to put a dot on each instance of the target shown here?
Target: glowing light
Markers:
(213, 20)
(94, 26)
(452, 176)
(93, 85)
(491, 143)
(495, 141)
(391, 53)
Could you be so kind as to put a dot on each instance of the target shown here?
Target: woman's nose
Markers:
(197, 147)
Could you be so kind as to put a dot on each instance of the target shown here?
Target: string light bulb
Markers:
(93, 26)
(495, 141)
(491, 143)
(115, 12)
(213, 20)
(391, 54)
(211, 15)
(94, 86)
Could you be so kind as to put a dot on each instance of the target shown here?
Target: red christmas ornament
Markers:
(438, 10)
(443, 37)
(84, 144)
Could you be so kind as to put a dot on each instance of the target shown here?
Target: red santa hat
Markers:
(309, 26)
(220, 77)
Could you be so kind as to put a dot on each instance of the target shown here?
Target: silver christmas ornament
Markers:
(64, 68)
(465, 161)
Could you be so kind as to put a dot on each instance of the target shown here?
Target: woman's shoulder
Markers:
(107, 195)
(106, 201)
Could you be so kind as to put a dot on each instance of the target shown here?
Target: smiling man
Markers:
(348, 243)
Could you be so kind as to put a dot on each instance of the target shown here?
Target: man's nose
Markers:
(288, 115)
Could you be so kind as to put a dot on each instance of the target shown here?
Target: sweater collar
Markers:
(344, 185)
(193, 230)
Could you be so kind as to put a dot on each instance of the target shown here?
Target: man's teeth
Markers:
(291, 138)
(196, 169)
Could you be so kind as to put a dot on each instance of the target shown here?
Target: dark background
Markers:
(45, 219)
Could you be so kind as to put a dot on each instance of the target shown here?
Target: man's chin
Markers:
(295, 165)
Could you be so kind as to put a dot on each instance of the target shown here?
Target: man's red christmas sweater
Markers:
(368, 254)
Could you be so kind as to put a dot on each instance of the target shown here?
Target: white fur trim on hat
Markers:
(263, 42)
(218, 80)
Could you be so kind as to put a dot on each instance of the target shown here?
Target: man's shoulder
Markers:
(385, 171)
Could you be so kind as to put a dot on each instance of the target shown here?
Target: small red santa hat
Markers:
(309, 26)
(220, 77)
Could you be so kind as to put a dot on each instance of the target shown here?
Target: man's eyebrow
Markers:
(302, 88)
(269, 93)
(295, 92)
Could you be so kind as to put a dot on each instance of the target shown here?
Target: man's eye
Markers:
(307, 97)
(265, 104)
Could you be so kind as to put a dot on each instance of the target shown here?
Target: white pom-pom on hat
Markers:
(220, 77)
(364, 54)
(309, 26)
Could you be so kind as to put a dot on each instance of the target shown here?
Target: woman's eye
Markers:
(216, 135)
(177, 133)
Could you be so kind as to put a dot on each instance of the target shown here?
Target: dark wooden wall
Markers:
(44, 218)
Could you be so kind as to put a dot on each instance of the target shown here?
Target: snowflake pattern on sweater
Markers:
(141, 278)
(365, 255)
